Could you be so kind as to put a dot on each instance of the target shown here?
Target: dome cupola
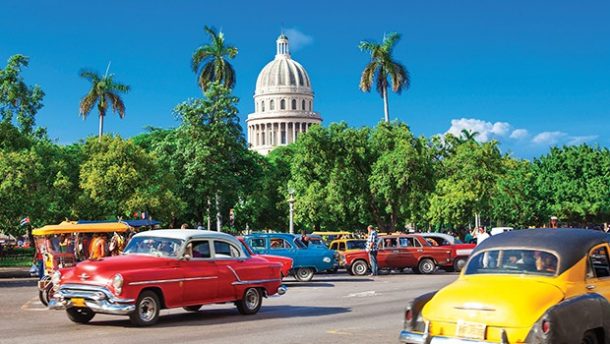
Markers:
(283, 102)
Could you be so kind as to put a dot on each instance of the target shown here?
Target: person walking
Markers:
(371, 248)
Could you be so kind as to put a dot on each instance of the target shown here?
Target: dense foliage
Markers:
(343, 177)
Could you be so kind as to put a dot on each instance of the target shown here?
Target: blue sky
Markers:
(530, 74)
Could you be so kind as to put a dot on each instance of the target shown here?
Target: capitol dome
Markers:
(283, 102)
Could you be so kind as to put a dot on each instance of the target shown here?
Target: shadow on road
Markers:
(220, 316)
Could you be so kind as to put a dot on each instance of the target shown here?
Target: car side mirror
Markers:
(186, 257)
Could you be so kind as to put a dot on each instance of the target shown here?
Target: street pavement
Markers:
(334, 308)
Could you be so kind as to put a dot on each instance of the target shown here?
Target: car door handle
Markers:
(590, 287)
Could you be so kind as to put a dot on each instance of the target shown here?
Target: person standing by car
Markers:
(554, 222)
(371, 248)
(481, 235)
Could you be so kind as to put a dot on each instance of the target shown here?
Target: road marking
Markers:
(34, 305)
(339, 332)
(364, 294)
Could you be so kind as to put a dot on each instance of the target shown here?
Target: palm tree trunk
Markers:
(386, 106)
(101, 129)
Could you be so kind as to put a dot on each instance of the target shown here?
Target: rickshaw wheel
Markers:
(80, 315)
(45, 294)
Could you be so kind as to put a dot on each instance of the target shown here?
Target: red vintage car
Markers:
(400, 251)
(167, 269)
(459, 250)
(285, 261)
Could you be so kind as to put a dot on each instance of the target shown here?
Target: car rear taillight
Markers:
(546, 326)
(408, 315)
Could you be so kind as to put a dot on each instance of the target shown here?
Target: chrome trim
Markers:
(410, 337)
(281, 290)
(234, 273)
(98, 299)
(256, 281)
(92, 292)
(102, 306)
(173, 280)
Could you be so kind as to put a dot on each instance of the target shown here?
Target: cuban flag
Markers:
(24, 221)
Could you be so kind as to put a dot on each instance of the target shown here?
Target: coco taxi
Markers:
(527, 286)
(167, 269)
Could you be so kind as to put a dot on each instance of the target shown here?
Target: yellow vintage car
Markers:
(345, 245)
(526, 286)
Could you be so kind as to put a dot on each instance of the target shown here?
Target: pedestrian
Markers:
(554, 222)
(481, 235)
(304, 238)
(184, 226)
(371, 248)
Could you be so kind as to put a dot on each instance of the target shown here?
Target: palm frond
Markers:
(381, 78)
(367, 46)
(87, 103)
(200, 55)
(389, 41)
(368, 74)
(399, 76)
(206, 76)
(117, 103)
(118, 87)
(90, 75)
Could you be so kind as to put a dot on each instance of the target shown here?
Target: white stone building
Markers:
(283, 103)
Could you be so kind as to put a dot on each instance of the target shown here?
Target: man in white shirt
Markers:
(481, 235)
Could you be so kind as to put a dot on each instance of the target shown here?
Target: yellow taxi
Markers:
(526, 286)
(341, 246)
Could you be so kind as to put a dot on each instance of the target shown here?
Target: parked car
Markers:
(342, 246)
(166, 269)
(306, 261)
(526, 286)
(398, 252)
(459, 250)
(285, 261)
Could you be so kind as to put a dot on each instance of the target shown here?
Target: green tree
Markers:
(208, 154)
(466, 184)
(515, 201)
(17, 99)
(381, 67)
(211, 61)
(119, 178)
(573, 183)
(104, 92)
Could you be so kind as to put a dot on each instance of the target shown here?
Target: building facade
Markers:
(283, 103)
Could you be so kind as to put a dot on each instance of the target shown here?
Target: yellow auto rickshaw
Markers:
(67, 243)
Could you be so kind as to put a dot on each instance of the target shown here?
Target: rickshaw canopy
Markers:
(73, 227)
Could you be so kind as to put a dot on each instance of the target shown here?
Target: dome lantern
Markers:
(282, 47)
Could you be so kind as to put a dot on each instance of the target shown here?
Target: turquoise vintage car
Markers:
(306, 261)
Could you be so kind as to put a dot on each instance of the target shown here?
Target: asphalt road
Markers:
(331, 309)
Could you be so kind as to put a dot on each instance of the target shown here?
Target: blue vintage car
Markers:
(306, 261)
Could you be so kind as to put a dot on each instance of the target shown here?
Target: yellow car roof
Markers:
(73, 227)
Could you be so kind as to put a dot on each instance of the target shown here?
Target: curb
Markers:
(14, 273)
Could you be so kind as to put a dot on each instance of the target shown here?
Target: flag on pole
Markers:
(24, 221)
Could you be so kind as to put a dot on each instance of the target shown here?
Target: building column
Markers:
(294, 132)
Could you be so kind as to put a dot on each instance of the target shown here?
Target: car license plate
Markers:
(78, 302)
(470, 330)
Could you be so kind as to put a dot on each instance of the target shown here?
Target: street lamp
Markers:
(291, 202)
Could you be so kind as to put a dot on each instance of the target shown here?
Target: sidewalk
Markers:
(14, 272)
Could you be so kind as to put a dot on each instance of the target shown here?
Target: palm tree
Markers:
(468, 136)
(381, 67)
(104, 91)
(210, 61)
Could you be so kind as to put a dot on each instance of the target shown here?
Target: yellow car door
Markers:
(598, 272)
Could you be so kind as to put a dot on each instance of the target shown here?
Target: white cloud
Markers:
(577, 140)
(549, 137)
(297, 39)
(519, 134)
(486, 130)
